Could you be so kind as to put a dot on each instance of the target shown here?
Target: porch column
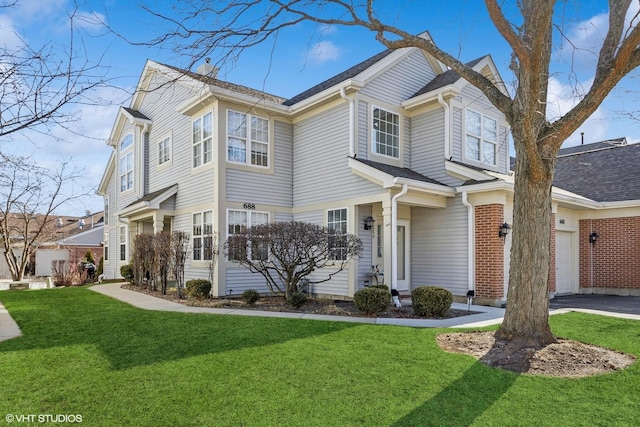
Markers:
(387, 239)
(158, 222)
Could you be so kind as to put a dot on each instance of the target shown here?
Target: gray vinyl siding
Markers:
(320, 164)
(239, 279)
(338, 285)
(402, 80)
(282, 217)
(363, 144)
(427, 136)
(314, 217)
(439, 247)
(271, 189)
(456, 133)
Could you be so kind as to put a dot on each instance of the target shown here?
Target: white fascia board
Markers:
(487, 61)
(144, 205)
(620, 204)
(106, 175)
(482, 187)
(214, 92)
(447, 91)
(426, 187)
(115, 129)
(350, 86)
(466, 173)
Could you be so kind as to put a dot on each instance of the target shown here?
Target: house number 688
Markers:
(250, 206)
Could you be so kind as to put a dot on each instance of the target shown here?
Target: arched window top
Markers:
(126, 142)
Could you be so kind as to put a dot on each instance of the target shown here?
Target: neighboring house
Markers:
(394, 149)
(69, 240)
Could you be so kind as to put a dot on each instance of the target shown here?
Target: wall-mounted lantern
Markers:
(593, 237)
(368, 223)
(503, 231)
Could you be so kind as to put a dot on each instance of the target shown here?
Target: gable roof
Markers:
(398, 172)
(602, 145)
(606, 173)
(338, 78)
(449, 77)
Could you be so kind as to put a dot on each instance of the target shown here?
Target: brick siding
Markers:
(613, 261)
(489, 251)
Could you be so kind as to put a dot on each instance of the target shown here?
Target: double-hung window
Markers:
(239, 248)
(126, 163)
(164, 150)
(386, 133)
(481, 142)
(203, 236)
(122, 240)
(247, 134)
(337, 225)
(202, 138)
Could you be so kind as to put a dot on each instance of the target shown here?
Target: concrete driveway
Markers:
(611, 303)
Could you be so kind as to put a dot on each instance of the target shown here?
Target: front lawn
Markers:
(84, 353)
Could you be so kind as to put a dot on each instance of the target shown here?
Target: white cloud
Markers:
(322, 52)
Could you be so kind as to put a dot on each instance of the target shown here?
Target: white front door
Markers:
(404, 256)
(564, 262)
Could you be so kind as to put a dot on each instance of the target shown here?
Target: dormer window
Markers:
(386, 133)
(481, 143)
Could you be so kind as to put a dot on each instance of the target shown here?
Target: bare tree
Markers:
(162, 260)
(143, 260)
(237, 26)
(179, 253)
(29, 197)
(287, 253)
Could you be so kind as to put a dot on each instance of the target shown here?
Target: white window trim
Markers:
(497, 144)
(248, 140)
(202, 262)
(201, 149)
(326, 220)
(372, 131)
(123, 154)
(106, 256)
(249, 213)
(169, 161)
(120, 243)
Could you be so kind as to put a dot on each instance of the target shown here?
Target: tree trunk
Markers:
(526, 321)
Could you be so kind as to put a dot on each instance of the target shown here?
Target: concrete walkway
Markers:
(486, 315)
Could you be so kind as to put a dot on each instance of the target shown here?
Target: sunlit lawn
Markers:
(84, 353)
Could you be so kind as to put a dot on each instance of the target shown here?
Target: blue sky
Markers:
(301, 57)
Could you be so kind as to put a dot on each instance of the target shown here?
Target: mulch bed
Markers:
(312, 306)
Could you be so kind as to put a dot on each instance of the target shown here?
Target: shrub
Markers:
(297, 299)
(250, 296)
(126, 271)
(198, 288)
(373, 299)
(431, 301)
(380, 286)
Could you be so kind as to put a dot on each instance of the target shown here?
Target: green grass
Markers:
(84, 353)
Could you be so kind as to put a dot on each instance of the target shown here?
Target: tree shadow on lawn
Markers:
(464, 400)
(131, 337)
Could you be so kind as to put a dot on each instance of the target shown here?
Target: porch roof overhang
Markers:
(149, 202)
(392, 176)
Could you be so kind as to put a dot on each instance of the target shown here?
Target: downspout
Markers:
(394, 235)
(447, 125)
(352, 121)
(470, 242)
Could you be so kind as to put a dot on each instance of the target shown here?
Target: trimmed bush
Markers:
(250, 296)
(198, 288)
(297, 300)
(431, 301)
(372, 300)
(380, 286)
(126, 271)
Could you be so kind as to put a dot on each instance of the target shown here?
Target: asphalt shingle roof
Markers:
(135, 113)
(603, 175)
(399, 172)
(444, 79)
(602, 145)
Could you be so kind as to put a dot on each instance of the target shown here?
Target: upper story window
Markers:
(202, 137)
(238, 221)
(126, 142)
(247, 134)
(386, 133)
(126, 163)
(203, 236)
(122, 242)
(337, 222)
(105, 250)
(106, 211)
(481, 143)
(164, 151)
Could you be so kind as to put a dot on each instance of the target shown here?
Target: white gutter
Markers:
(352, 121)
(470, 243)
(447, 144)
(394, 236)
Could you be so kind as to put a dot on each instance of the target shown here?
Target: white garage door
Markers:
(564, 262)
